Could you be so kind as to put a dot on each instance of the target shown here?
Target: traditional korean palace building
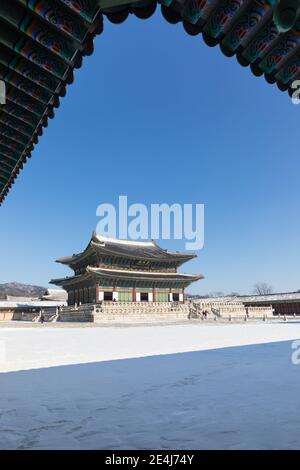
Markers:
(125, 271)
(286, 303)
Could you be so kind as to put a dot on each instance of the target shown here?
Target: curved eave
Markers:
(166, 256)
(70, 280)
(61, 281)
(51, 43)
(97, 246)
(78, 257)
(35, 85)
(91, 272)
(70, 260)
(142, 275)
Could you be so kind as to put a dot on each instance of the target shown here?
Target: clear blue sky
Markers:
(157, 115)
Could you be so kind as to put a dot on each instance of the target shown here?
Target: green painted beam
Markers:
(286, 14)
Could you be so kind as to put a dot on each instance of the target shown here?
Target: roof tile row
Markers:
(43, 41)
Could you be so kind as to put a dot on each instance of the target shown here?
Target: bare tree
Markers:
(262, 288)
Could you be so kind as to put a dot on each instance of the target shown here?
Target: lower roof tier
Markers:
(105, 276)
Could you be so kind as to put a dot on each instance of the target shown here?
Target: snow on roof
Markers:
(33, 304)
(276, 297)
(140, 250)
(103, 239)
(55, 295)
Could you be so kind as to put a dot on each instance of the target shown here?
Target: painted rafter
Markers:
(43, 41)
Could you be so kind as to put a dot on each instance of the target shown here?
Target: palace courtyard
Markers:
(185, 386)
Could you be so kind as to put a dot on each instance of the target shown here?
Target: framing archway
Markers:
(43, 41)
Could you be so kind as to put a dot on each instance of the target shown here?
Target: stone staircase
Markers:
(50, 315)
(81, 313)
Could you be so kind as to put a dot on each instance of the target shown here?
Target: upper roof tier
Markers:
(138, 250)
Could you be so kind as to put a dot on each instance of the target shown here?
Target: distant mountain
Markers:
(20, 290)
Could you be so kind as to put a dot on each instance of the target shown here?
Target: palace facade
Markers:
(114, 270)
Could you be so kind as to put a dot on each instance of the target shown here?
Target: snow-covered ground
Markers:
(166, 387)
(46, 346)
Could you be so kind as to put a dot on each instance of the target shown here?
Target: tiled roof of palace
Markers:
(256, 298)
(90, 272)
(136, 250)
(143, 274)
(43, 41)
(281, 297)
(130, 275)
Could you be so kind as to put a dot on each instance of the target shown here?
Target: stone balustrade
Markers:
(144, 312)
(231, 309)
(125, 312)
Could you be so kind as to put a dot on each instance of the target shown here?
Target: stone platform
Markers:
(132, 312)
(140, 312)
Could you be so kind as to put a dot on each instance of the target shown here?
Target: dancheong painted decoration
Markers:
(43, 41)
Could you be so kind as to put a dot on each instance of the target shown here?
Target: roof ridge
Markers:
(123, 241)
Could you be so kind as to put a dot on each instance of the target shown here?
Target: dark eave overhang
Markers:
(71, 280)
(144, 275)
(43, 41)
